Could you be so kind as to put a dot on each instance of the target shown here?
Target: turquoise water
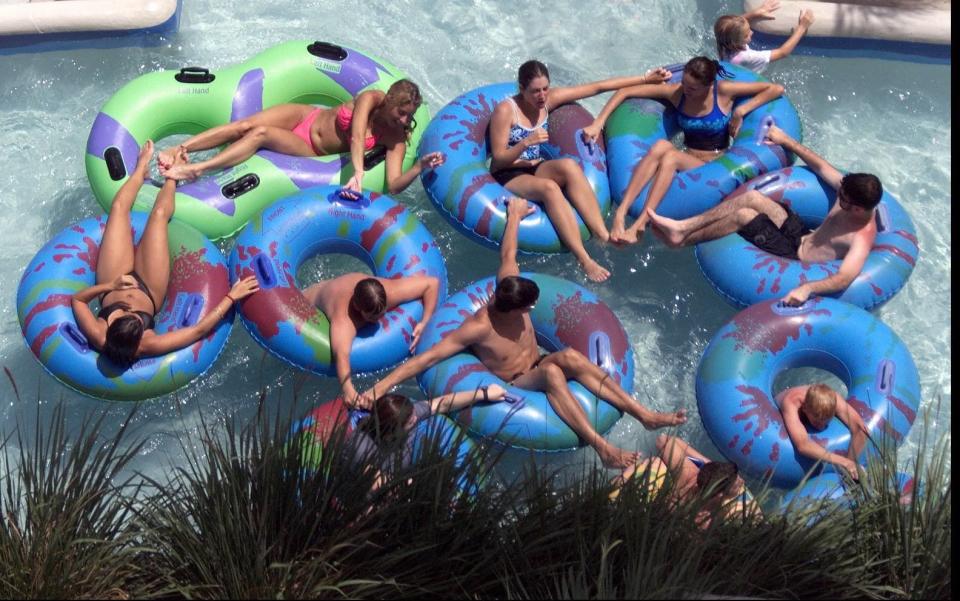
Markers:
(891, 118)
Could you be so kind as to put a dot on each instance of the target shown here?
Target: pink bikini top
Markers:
(345, 118)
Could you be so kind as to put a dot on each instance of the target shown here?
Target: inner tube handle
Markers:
(781, 309)
(74, 337)
(883, 218)
(263, 270)
(194, 75)
(599, 350)
(886, 373)
(765, 124)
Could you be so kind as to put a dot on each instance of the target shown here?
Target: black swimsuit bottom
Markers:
(145, 317)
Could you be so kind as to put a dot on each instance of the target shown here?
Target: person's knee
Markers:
(570, 358)
(243, 127)
(662, 441)
(258, 132)
(661, 147)
(553, 374)
(549, 191)
(745, 215)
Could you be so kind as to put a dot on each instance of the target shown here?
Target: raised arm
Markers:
(451, 344)
(807, 447)
(760, 92)
(661, 91)
(458, 400)
(423, 287)
(764, 11)
(815, 162)
(517, 209)
(803, 25)
(86, 320)
(558, 96)
(177, 339)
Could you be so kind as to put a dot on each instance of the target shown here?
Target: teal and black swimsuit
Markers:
(708, 132)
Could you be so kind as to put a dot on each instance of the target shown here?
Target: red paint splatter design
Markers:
(759, 329)
(577, 319)
(895, 252)
(370, 236)
(54, 300)
(758, 406)
(474, 129)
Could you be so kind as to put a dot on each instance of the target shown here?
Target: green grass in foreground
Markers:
(243, 518)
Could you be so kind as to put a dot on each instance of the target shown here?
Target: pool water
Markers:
(887, 117)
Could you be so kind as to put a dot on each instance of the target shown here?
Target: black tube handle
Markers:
(194, 75)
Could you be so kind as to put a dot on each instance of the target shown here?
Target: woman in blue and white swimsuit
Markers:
(518, 128)
(708, 121)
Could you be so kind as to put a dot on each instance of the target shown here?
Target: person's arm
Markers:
(504, 155)
(455, 401)
(661, 91)
(558, 96)
(853, 421)
(815, 162)
(803, 25)
(764, 11)
(397, 179)
(363, 105)
(761, 92)
(850, 268)
(86, 320)
(423, 287)
(450, 345)
(517, 209)
(342, 334)
(807, 447)
(171, 341)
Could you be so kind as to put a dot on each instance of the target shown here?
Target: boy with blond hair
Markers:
(817, 405)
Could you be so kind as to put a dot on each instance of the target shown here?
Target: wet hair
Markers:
(123, 340)
(704, 70)
(718, 477)
(385, 424)
(401, 93)
(820, 403)
(369, 297)
(862, 189)
(728, 30)
(515, 292)
(530, 70)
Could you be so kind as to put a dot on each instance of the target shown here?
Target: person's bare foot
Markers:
(602, 236)
(167, 157)
(595, 272)
(670, 231)
(632, 236)
(612, 457)
(182, 172)
(662, 420)
(143, 160)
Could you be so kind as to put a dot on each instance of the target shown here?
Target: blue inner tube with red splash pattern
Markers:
(565, 316)
(743, 274)
(68, 264)
(830, 486)
(375, 229)
(467, 195)
(637, 124)
(736, 375)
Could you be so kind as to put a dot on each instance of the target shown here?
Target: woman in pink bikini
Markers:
(372, 118)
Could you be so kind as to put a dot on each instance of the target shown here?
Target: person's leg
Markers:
(550, 380)
(577, 367)
(642, 174)
(569, 176)
(725, 218)
(152, 260)
(116, 255)
(671, 163)
(546, 192)
(271, 126)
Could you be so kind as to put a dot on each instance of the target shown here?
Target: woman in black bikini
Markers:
(132, 282)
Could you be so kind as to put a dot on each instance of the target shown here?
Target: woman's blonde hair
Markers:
(728, 30)
(401, 93)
